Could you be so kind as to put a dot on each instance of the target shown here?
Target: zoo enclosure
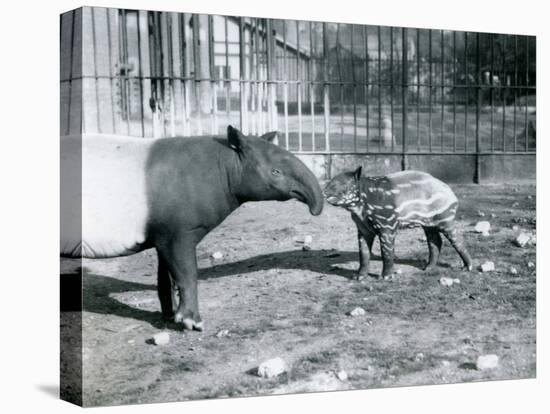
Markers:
(328, 88)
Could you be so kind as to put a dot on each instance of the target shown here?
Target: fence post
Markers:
(404, 95)
(478, 109)
(326, 88)
(242, 63)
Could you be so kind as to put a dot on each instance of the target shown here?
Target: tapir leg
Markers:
(434, 246)
(165, 290)
(366, 240)
(457, 241)
(387, 240)
(180, 256)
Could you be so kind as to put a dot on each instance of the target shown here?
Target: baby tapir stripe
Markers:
(382, 205)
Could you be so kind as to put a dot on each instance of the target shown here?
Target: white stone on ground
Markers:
(522, 239)
(217, 255)
(272, 368)
(342, 375)
(487, 362)
(448, 281)
(513, 271)
(222, 333)
(483, 227)
(358, 312)
(530, 265)
(162, 338)
(488, 267)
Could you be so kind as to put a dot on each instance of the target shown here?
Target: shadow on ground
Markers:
(97, 289)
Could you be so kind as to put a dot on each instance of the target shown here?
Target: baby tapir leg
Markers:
(457, 241)
(434, 245)
(366, 240)
(387, 240)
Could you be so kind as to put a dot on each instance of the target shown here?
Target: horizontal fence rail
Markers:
(326, 87)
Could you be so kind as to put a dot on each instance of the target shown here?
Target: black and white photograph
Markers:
(257, 206)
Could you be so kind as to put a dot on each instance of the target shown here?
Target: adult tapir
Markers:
(168, 194)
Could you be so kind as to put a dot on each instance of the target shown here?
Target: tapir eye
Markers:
(275, 171)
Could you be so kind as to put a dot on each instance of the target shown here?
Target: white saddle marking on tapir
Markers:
(114, 199)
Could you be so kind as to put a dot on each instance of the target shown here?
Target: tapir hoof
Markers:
(360, 276)
(189, 323)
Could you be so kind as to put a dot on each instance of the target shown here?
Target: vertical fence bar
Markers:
(430, 89)
(467, 93)
(226, 73)
(124, 55)
(96, 78)
(503, 94)
(391, 88)
(341, 86)
(140, 76)
(477, 177)
(298, 85)
(367, 80)
(172, 92)
(161, 74)
(110, 60)
(454, 91)
(185, 74)
(379, 33)
(515, 89)
(354, 92)
(255, 63)
(285, 86)
(526, 92)
(418, 90)
(442, 89)
(197, 69)
(311, 86)
(326, 98)
(492, 91)
(273, 118)
(242, 63)
(213, 89)
(152, 68)
(404, 96)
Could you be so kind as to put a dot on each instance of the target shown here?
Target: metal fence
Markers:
(326, 87)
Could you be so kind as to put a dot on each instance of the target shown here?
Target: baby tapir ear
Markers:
(357, 173)
(235, 138)
(270, 137)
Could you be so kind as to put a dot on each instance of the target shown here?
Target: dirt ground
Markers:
(277, 300)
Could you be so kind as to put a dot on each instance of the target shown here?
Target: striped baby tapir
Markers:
(380, 206)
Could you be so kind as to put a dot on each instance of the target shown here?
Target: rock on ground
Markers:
(342, 375)
(482, 227)
(272, 368)
(488, 267)
(522, 239)
(358, 312)
(448, 281)
(161, 338)
(487, 362)
(217, 255)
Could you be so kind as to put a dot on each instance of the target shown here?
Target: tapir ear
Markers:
(235, 138)
(270, 137)
(357, 173)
